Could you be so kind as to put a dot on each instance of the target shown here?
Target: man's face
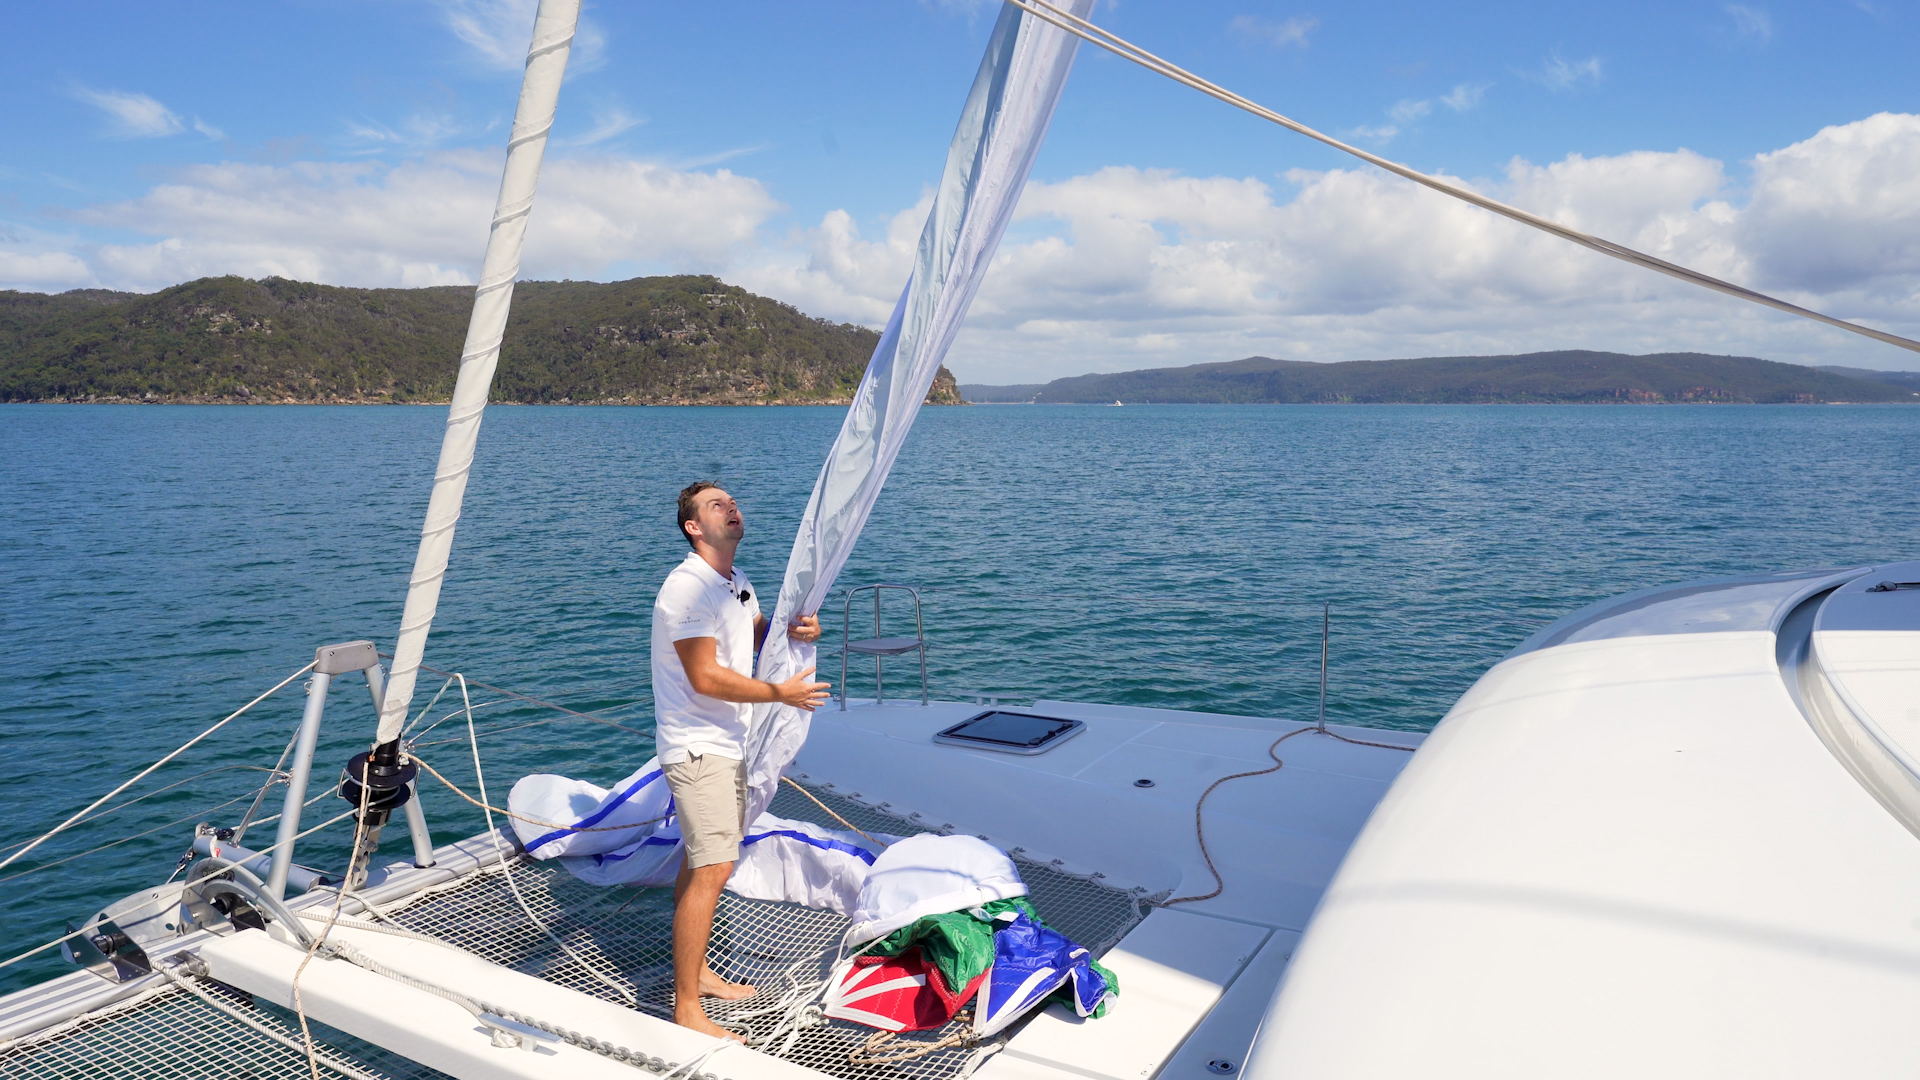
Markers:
(719, 517)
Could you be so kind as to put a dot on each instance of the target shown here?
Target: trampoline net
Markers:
(624, 935)
(179, 1036)
(621, 936)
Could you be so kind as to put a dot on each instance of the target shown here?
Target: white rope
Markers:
(339, 897)
(143, 773)
(397, 930)
(1089, 32)
(692, 1066)
(480, 780)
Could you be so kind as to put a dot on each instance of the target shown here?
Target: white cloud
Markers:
(52, 271)
(608, 122)
(211, 132)
(1133, 268)
(1839, 213)
(130, 115)
(498, 32)
(420, 131)
(1279, 34)
(834, 272)
(1751, 24)
(1123, 267)
(1464, 96)
(1558, 73)
(1382, 133)
(419, 223)
(1407, 111)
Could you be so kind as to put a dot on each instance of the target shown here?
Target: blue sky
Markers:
(788, 146)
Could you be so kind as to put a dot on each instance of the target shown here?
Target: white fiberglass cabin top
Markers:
(1672, 835)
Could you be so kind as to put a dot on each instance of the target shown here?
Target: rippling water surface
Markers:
(164, 565)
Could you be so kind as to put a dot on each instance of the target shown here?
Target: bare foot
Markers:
(713, 986)
(698, 1020)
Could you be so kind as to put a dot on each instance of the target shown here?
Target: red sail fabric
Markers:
(896, 993)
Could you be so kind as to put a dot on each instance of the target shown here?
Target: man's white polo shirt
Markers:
(697, 602)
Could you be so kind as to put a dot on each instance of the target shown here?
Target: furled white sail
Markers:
(993, 150)
(547, 55)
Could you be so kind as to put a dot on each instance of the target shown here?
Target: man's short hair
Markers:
(689, 508)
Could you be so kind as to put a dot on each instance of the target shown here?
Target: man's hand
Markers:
(708, 678)
(801, 691)
(804, 628)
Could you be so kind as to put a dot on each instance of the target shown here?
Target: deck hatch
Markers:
(1010, 732)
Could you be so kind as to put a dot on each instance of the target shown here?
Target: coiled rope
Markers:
(1199, 808)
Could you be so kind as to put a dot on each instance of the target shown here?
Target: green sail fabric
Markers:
(960, 945)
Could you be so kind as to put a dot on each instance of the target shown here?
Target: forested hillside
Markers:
(661, 340)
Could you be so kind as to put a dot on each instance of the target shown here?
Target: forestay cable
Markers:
(143, 773)
(1111, 42)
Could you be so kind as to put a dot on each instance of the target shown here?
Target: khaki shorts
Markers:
(710, 797)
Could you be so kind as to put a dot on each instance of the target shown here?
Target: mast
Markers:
(547, 55)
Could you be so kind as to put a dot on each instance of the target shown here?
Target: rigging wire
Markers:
(428, 707)
(1087, 31)
(449, 716)
(536, 701)
(617, 986)
(143, 773)
(482, 804)
(498, 730)
(246, 819)
(123, 840)
(164, 790)
(70, 935)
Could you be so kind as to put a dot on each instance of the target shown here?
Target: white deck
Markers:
(1206, 969)
(1195, 979)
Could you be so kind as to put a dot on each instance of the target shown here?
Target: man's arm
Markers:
(699, 656)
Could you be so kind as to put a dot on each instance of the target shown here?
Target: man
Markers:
(706, 627)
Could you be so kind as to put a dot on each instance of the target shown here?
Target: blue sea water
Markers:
(164, 565)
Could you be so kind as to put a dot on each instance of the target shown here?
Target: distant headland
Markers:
(684, 340)
(1568, 377)
(695, 340)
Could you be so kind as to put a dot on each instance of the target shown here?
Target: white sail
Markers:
(547, 56)
(993, 149)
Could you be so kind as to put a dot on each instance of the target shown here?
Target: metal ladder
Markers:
(881, 647)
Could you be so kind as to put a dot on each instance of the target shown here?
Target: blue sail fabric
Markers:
(1000, 131)
(1030, 962)
(628, 835)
